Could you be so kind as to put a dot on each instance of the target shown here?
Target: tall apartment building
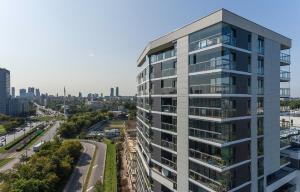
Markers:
(4, 90)
(111, 92)
(13, 92)
(209, 107)
(117, 91)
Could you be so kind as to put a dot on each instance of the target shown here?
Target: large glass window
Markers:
(168, 68)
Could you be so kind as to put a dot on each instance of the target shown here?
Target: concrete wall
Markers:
(182, 119)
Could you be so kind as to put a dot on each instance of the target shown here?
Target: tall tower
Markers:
(112, 92)
(4, 90)
(13, 92)
(117, 91)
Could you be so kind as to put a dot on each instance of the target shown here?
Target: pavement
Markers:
(98, 166)
(79, 175)
(16, 155)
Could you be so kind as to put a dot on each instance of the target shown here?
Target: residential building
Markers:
(208, 114)
(30, 93)
(18, 106)
(4, 90)
(80, 95)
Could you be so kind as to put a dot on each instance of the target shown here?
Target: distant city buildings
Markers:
(80, 95)
(23, 93)
(37, 93)
(4, 90)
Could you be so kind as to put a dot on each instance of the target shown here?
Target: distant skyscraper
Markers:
(37, 92)
(30, 91)
(101, 95)
(117, 91)
(23, 93)
(80, 95)
(111, 92)
(4, 89)
(13, 92)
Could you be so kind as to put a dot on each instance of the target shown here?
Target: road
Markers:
(16, 155)
(98, 166)
(78, 177)
(11, 136)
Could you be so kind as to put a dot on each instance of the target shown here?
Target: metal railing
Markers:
(213, 40)
(217, 63)
(205, 180)
(212, 89)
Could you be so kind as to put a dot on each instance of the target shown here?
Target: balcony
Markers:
(213, 112)
(168, 72)
(169, 127)
(169, 145)
(285, 59)
(284, 160)
(163, 56)
(169, 108)
(212, 89)
(214, 63)
(285, 92)
(169, 163)
(284, 142)
(213, 40)
(168, 90)
(210, 183)
(285, 76)
(209, 159)
(212, 136)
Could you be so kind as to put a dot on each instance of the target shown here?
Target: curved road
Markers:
(79, 175)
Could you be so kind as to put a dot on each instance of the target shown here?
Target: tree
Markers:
(98, 187)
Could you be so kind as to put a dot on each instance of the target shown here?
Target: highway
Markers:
(16, 155)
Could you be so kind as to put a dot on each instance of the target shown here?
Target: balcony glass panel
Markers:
(214, 63)
(213, 112)
(284, 92)
(163, 55)
(285, 76)
(286, 58)
(212, 89)
(212, 136)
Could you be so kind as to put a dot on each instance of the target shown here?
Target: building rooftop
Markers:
(213, 18)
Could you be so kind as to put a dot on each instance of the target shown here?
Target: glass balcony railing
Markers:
(260, 110)
(212, 136)
(213, 112)
(168, 127)
(163, 55)
(285, 58)
(169, 163)
(285, 76)
(284, 92)
(260, 90)
(168, 90)
(209, 159)
(169, 108)
(168, 72)
(210, 183)
(169, 145)
(284, 142)
(213, 40)
(219, 63)
(212, 89)
(261, 50)
(284, 160)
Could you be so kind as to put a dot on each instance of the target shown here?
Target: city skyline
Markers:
(74, 44)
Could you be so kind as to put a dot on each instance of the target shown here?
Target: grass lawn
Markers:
(110, 173)
(5, 161)
(115, 124)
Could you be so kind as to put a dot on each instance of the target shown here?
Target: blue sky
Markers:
(91, 45)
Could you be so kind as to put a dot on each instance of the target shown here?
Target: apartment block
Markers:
(208, 116)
